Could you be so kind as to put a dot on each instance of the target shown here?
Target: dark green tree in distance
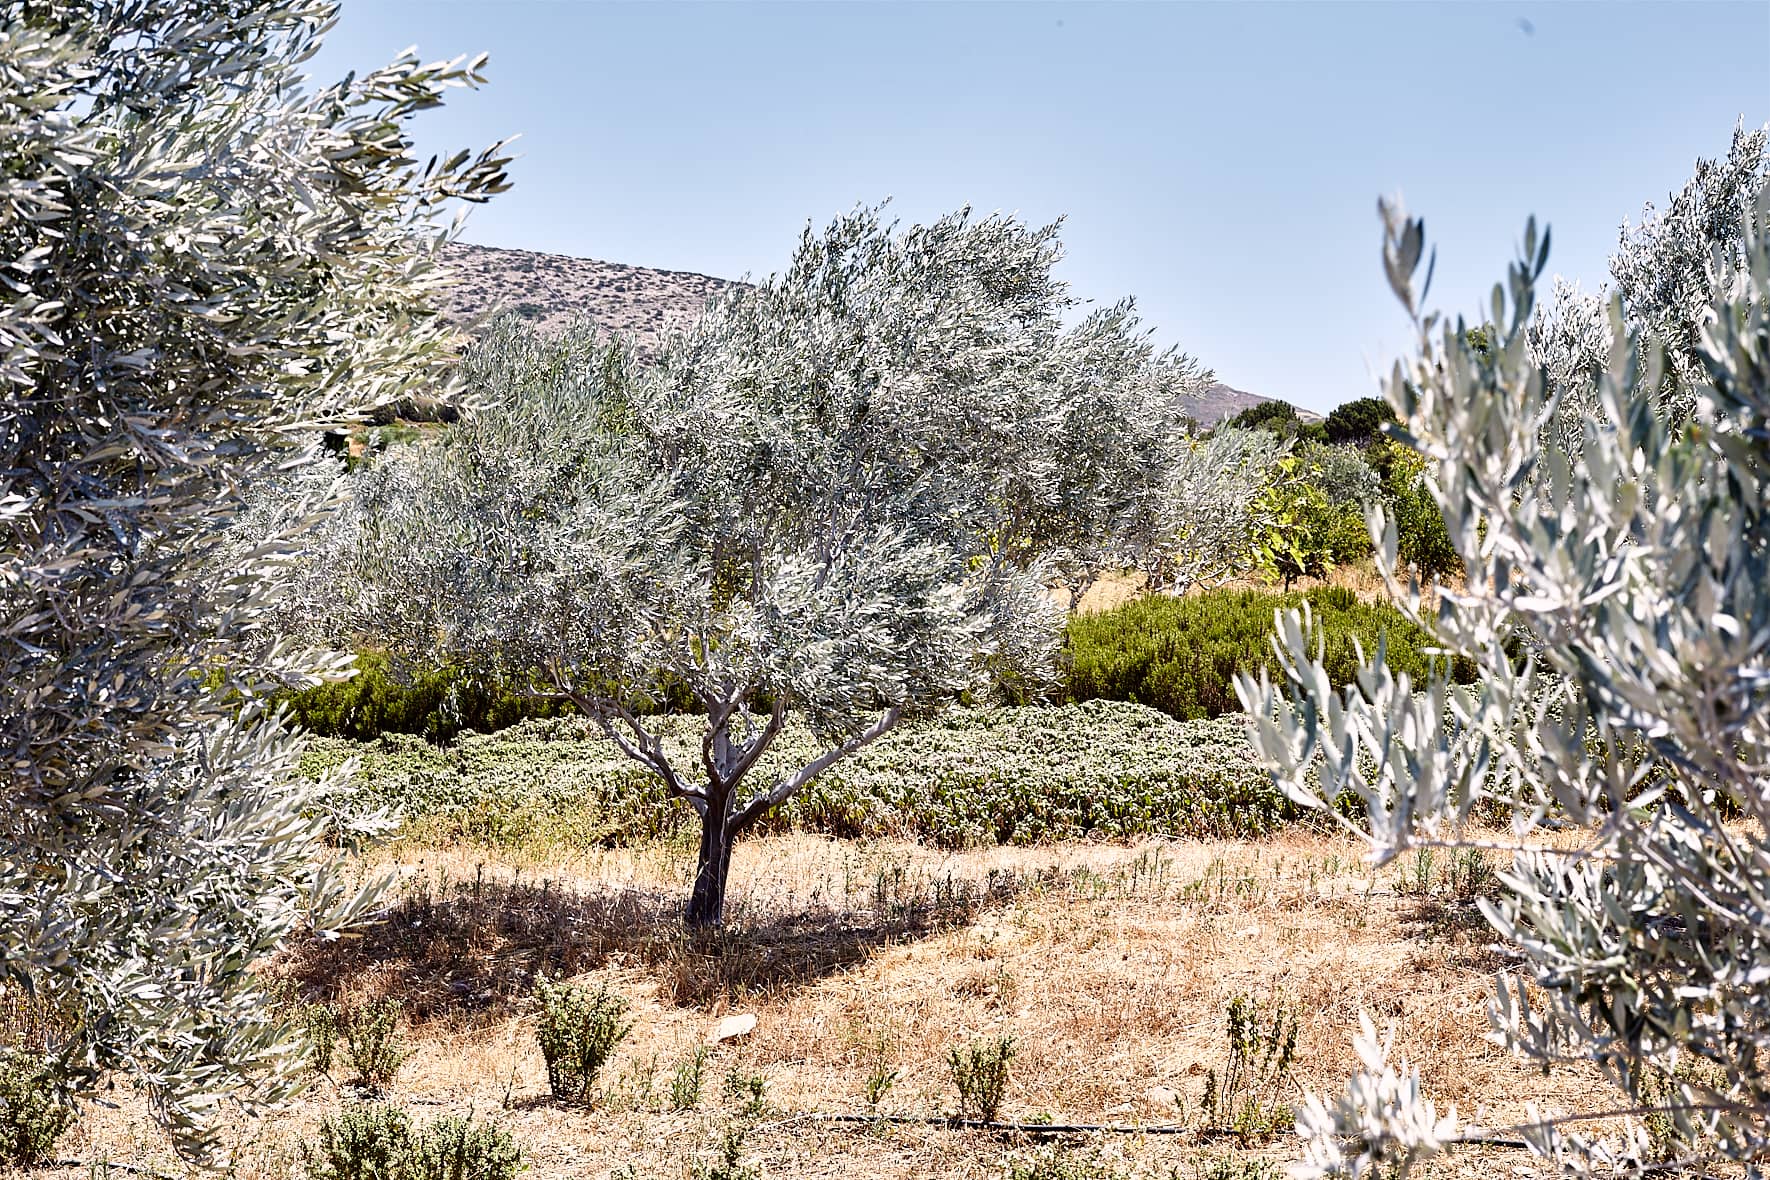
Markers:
(1358, 422)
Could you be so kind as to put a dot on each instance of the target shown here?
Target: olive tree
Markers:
(1207, 522)
(204, 261)
(1667, 271)
(823, 501)
(1618, 608)
(1119, 447)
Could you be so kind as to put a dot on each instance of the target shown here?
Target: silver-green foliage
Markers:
(822, 501)
(1207, 527)
(1618, 609)
(1105, 499)
(204, 259)
(1667, 271)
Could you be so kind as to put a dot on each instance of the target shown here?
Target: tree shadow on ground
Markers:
(475, 948)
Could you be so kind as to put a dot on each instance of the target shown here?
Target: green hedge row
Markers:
(969, 777)
(1180, 655)
(434, 703)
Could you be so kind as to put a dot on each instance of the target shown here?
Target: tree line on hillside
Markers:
(840, 497)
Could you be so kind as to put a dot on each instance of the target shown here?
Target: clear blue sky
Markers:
(1220, 162)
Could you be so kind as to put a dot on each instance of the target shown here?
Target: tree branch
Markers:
(783, 790)
(649, 752)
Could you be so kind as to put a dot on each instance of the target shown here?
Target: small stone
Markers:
(732, 1027)
(1163, 1097)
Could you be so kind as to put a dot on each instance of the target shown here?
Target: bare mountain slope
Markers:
(548, 290)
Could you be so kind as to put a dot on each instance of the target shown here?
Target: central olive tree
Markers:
(819, 502)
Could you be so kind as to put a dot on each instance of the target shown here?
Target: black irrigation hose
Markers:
(957, 1124)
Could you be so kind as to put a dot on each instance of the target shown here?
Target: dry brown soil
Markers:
(1112, 966)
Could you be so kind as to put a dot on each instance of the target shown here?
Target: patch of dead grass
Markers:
(1112, 967)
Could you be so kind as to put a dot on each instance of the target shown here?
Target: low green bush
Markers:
(372, 1042)
(980, 1072)
(1180, 655)
(1099, 769)
(578, 1030)
(436, 703)
(34, 1109)
(361, 1142)
(378, 1142)
(457, 1148)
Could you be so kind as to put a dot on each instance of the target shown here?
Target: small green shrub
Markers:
(34, 1109)
(980, 1071)
(457, 1148)
(578, 1030)
(1245, 1098)
(319, 1023)
(1180, 655)
(728, 1163)
(377, 1142)
(435, 703)
(685, 1086)
(745, 1091)
(1060, 1163)
(362, 1142)
(881, 1075)
(1234, 1167)
(372, 1042)
(1471, 874)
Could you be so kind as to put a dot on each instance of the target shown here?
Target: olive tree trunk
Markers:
(706, 901)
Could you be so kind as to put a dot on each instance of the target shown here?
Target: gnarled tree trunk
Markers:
(706, 901)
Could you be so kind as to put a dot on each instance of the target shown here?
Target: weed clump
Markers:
(1244, 1099)
(34, 1109)
(378, 1142)
(980, 1071)
(361, 1142)
(685, 1086)
(319, 1025)
(578, 1032)
(457, 1148)
(372, 1042)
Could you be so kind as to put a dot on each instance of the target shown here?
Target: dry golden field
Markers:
(1112, 966)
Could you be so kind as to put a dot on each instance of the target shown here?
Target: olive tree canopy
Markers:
(837, 497)
(1618, 607)
(202, 261)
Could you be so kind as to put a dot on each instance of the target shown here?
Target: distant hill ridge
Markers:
(550, 290)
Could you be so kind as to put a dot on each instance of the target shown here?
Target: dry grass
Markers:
(1361, 577)
(1111, 965)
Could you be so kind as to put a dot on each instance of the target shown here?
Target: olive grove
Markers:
(1618, 608)
(840, 496)
(204, 262)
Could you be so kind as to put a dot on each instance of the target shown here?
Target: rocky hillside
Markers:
(549, 290)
